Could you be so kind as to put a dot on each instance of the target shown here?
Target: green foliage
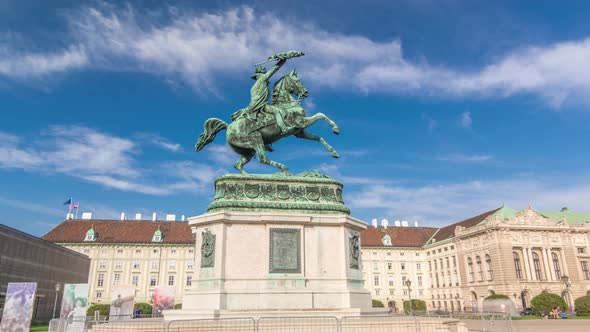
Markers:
(378, 304)
(582, 305)
(146, 308)
(103, 309)
(546, 301)
(495, 296)
(178, 306)
(417, 305)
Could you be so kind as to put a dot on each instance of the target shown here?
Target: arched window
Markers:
(479, 269)
(517, 265)
(556, 266)
(537, 266)
(489, 266)
(470, 268)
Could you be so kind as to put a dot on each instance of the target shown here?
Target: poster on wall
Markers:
(163, 298)
(74, 301)
(18, 307)
(122, 298)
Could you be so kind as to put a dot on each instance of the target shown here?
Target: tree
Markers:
(417, 305)
(178, 306)
(495, 296)
(103, 309)
(378, 304)
(146, 308)
(545, 302)
(582, 305)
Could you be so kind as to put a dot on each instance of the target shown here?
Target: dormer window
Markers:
(157, 236)
(90, 235)
(386, 240)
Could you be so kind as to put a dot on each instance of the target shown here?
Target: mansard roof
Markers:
(400, 236)
(448, 232)
(115, 231)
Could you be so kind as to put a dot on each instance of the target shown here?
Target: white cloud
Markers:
(463, 158)
(31, 207)
(197, 48)
(441, 204)
(159, 141)
(100, 158)
(466, 120)
(430, 122)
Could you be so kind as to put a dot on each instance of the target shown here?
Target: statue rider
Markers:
(260, 91)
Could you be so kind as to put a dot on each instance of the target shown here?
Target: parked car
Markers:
(527, 312)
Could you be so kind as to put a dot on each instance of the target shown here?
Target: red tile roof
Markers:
(400, 236)
(449, 231)
(113, 231)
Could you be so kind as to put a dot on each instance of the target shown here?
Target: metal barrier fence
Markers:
(213, 325)
(423, 322)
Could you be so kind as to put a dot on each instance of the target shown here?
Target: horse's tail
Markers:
(210, 129)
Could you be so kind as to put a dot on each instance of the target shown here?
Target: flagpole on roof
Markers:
(70, 210)
(77, 209)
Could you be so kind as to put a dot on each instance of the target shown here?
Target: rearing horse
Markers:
(247, 137)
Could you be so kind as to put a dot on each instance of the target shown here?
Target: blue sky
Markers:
(447, 108)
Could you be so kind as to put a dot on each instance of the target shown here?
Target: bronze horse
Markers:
(247, 137)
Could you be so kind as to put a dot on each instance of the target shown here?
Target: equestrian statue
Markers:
(256, 127)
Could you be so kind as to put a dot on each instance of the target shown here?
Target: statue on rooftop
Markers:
(256, 127)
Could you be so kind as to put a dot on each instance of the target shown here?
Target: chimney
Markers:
(123, 216)
(170, 217)
(384, 223)
(154, 216)
(138, 216)
(374, 222)
(416, 223)
(87, 215)
(182, 217)
(397, 223)
(404, 223)
(69, 216)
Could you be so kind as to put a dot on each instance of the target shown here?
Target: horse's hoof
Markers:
(336, 131)
(335, 154)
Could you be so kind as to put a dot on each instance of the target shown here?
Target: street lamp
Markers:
(57, 289)
(566, 281)
(409, 284)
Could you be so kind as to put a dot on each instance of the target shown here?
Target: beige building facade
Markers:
(505, 251)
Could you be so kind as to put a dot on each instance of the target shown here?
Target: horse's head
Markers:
(287, 85)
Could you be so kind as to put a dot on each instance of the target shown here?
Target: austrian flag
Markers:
(75, 206)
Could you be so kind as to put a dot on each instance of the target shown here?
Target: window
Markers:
(489, 267)
(98, 295)
(454, 261)
(135, 280)
(173, 251)
(479, 269)
(189, 280)
(136, 265)
(419, 281)
(118, 265)
(556, 266)
(86, 250)
(102, 265)
(376, 280)
(418, 266)
(119, 251)
(374, 253)
(537, 266)
(446, 248)
(172, 265)
(375, 266)
(437, 284)
(389, 253)
(170, 280)
(138, 251)
(429, 266)
(435, 265)
(470, 269)
(391, 282)
(439, 250)
(155, 265)
(189, 265)
(155, 251)
(405, 292)
(391, 291)
(389, 266)
(401, 253)
(153, 280)
(100, 280)
(517, 266)
(404, 281)
(117, 278)
(585, 270)
(190, 251)
(417, 254)
(449, 278)
(421, 292)
(403, 266)
(377, 292)
(452, 247)
(448, 264)
(456, 278)
(581, 250)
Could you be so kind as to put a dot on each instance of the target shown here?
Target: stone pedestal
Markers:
(275, 243)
